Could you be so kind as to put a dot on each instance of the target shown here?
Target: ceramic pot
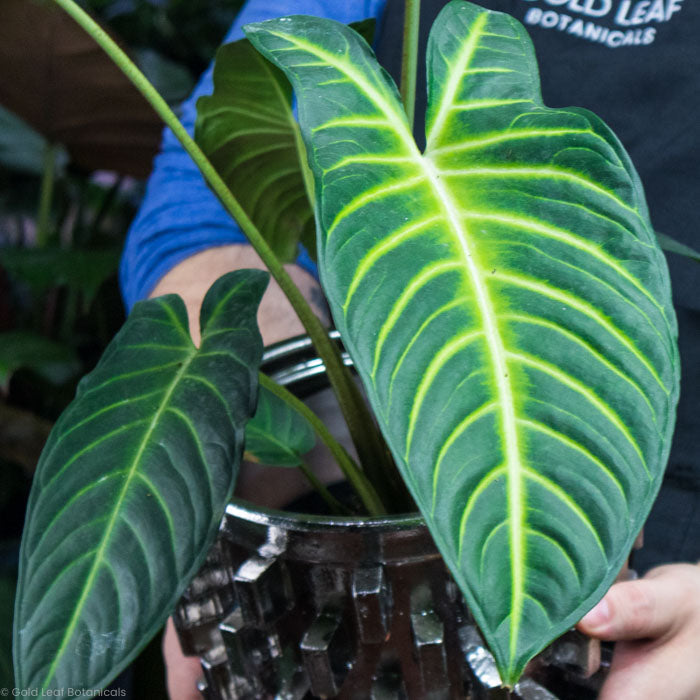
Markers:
(297, 606)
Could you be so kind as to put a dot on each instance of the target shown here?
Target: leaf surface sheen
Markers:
(506, 305)
(132, 485)
(248, 131)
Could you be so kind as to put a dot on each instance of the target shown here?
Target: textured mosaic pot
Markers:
(293, 606)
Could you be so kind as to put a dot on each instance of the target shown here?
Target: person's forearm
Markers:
(179, 215)
(193, 276)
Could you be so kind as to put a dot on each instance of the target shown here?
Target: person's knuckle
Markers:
(636, 606)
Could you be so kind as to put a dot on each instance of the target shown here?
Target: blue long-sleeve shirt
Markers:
(179, 215)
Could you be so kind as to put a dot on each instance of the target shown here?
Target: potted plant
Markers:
(504, 301)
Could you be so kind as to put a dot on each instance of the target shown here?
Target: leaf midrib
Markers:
(494, 342)
(492, 335)
(504, 391)
(132, 472)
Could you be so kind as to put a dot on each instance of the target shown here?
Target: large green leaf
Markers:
(132, 485)
(277, 434)
(248, 130)
(506, 305)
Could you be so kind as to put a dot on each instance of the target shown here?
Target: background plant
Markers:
(76, 141)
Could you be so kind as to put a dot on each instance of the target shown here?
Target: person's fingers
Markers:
(658, 621)
(182, 672)
(651, 670)
(647, 608)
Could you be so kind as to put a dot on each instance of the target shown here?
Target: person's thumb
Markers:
(642, 609)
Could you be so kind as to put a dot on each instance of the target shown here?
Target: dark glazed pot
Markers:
(324, 605)
(296, 606)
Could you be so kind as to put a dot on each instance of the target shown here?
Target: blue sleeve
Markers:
(179, 216)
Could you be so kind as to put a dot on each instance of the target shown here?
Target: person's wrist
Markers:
(192, 277)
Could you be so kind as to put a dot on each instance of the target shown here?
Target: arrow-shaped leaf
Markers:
(132, 485)
(506, 305)
(249, 131)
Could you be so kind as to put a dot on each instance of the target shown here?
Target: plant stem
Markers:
(363, 431)
(335, 506)
(43, 218)
(365, 490)
(409, 57)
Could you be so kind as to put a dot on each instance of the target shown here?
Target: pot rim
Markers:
(245, 510)
(288, 362)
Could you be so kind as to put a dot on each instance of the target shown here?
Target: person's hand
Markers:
(181, 672)
(655, 620)
(656, 624)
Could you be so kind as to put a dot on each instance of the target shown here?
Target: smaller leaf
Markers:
(173, 82)
(83, 271)
(277, 434)
(53, 361)
(132, 485)
(22, 148)
(248, 130)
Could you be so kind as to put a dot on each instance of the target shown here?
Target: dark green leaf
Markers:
(248, 131)
(42, 269)
(132, 485)
(22, 148)
(506, 305)
(54, 361)
(173, 82)
(277, 434)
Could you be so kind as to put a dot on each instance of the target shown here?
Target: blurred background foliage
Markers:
(76, 144)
